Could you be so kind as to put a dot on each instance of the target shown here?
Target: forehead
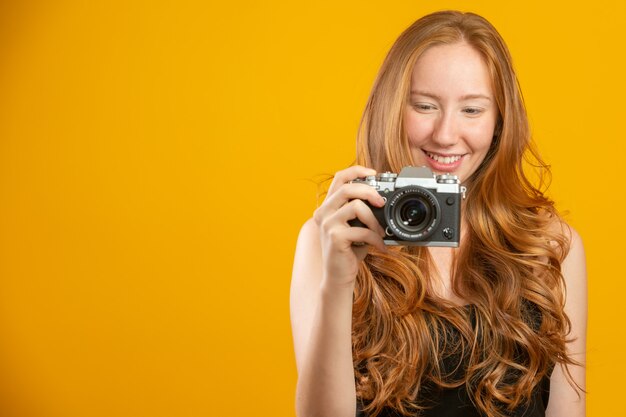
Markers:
(452, 69)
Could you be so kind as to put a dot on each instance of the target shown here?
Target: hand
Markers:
(340, 255)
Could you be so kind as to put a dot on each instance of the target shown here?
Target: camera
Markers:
(421, 208)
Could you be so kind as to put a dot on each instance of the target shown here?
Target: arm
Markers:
(325, 267)
(321, 320)
(565, 400)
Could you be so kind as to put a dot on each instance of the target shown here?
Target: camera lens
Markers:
(412, 213)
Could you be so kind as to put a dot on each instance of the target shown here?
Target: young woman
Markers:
(495, 327)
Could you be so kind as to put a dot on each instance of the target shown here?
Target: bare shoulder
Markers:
(573, 266)
(576, 250)
(309, 232)
(573, 250)
(574, 271)
(567, 384)
(559, 228)
(307, 258)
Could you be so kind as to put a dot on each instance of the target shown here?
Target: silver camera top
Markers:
(420, 176)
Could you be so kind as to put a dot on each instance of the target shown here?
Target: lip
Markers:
(440, 167)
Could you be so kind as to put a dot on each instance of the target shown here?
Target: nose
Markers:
(445, 132)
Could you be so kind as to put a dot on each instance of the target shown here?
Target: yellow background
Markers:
(157, 159)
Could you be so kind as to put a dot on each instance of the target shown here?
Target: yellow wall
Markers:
(156, 162)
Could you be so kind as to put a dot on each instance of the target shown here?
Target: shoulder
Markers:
(308, 247)
(560, 233)
(575, 248)
(574, 273)
(567, 396)
(307, 264)
(574, 268)
(570, 251)
(309, 232)
(570, 242)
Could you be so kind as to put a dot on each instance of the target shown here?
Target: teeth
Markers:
(444, 159)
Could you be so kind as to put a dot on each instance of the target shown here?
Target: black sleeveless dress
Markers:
(455, 402)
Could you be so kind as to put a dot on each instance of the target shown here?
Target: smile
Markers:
(450, 159)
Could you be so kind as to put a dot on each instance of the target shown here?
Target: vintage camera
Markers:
(421, 208)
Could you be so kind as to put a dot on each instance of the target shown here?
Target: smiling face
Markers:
(451, 113)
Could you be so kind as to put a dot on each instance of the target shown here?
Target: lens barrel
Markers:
(412, 213)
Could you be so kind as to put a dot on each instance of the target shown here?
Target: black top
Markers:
(454, 402)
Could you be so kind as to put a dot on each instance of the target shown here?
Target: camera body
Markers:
(421, 208)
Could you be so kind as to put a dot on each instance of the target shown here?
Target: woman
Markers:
(495, 327)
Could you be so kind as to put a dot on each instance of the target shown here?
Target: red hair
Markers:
(508, 265)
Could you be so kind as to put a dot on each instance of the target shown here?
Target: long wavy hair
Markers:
(508, 265)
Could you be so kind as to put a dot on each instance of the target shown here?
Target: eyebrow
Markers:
(438, 97)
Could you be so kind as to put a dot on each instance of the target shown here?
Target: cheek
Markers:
(483, 144)
(417, 131)
(482, 136)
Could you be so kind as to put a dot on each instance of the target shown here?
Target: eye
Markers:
(424, 107)
(472, 111)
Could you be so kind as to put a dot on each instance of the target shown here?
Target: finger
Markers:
(346, 237)
(357, 209)
(349, 174)
(347, 193)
